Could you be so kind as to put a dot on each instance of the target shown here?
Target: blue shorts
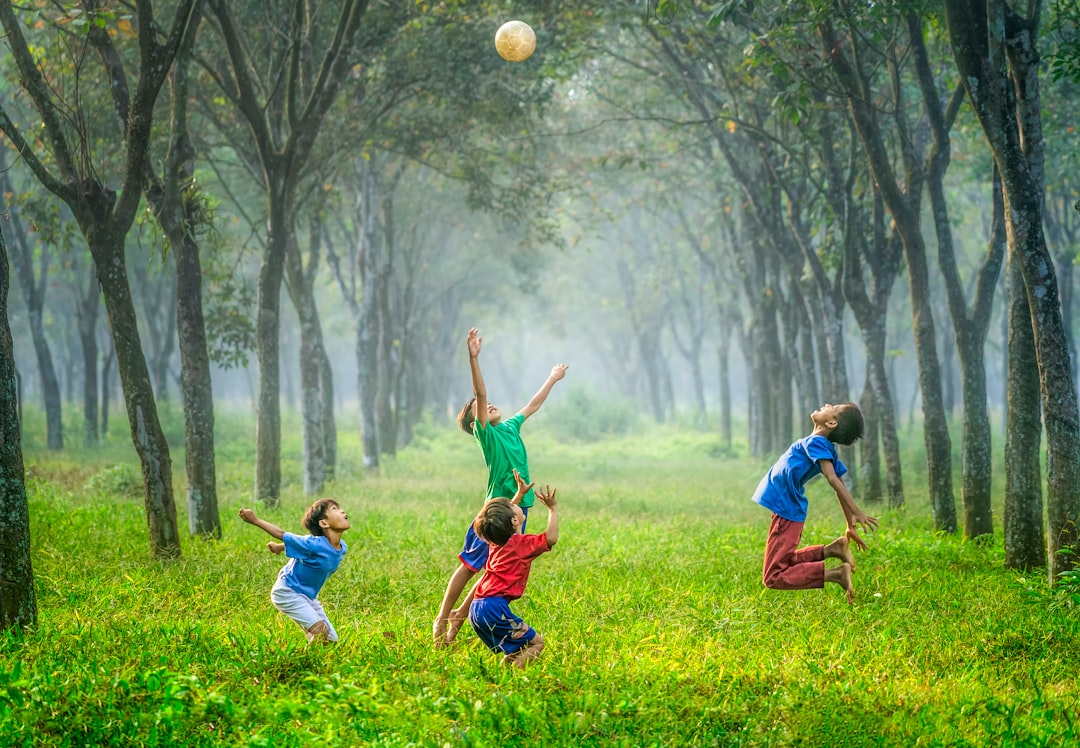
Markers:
(498, 627)
(474, 551)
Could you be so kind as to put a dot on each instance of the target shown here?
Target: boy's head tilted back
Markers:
(495, 523)
(467, 416)
(849, 424)
(315, 514)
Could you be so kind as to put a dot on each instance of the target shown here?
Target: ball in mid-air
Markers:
(515, 41)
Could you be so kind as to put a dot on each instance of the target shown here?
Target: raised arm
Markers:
(522, 488)
(855, 517)
(547, 496)
(248, 515)
(557, 372)
(480, 414)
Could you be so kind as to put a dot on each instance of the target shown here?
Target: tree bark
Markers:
(1025, 541)
(18, 606)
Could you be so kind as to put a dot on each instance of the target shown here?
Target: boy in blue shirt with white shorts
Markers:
(312, 559)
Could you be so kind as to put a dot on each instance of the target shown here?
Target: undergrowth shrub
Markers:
(116, 480)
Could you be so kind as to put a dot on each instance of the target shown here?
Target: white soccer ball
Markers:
(515, 41)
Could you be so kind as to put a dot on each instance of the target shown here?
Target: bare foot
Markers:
(514, 660)
(841, 549)
(844, 574)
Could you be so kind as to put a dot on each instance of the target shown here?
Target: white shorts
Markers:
(301, 608)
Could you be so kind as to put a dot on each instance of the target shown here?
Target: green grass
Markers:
(659, 631)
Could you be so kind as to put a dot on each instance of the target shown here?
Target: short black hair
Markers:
(495, 522)
(315, 513)
(467, 417)
(849, 425)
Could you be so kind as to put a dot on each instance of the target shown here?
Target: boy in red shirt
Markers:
(501, 523)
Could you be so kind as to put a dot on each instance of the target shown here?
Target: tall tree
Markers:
(996, 53)
(847, 54)
(18, 607)
(104, 215)
(285, 112)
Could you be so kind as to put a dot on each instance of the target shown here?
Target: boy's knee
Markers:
(771, 578)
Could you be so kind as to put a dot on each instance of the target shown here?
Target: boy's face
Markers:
(335, 519)
(826, 415)
(494, 414)
(519, 519)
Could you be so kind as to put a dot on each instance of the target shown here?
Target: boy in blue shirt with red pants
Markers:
(312, 559)
(502, 524)
(504, 452)
(781, 490)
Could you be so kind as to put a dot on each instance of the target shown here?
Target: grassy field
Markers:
(659, 631)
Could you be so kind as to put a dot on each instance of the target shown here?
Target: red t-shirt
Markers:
(507, 567)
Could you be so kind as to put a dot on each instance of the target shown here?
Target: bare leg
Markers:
(459, 615)
(526, 654)
(841, 549)
(841, 575)
(458, 580)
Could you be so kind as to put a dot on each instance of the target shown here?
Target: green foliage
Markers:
(123, 480)
(588, 417)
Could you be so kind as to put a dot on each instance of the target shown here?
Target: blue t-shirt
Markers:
(503, 452)
(781, 489)
(311, 561)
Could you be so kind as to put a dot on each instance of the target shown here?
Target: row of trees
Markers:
(753, 179)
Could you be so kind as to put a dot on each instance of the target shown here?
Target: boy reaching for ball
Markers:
(504, 453)
(781, 490)
(312, 559)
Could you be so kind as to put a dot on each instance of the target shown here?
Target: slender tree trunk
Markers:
(108, 363)
(18, 606)
(311, 373)
(87, 322)
(267, 347)
(150, 442)
(869, 451)
(724, 386)
(1025, 541)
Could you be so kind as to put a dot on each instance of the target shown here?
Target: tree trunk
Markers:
(87, 322)
(869, 451)
(108, 363)
(18, 606)
(267, 347)
(150, 442)
(311, 372)
(1025, 542)
(724, 384)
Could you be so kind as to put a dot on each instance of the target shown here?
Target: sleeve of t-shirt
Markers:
(819, 448)
(533, 545)
(298, 546)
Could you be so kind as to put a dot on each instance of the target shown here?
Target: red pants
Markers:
(787, 568)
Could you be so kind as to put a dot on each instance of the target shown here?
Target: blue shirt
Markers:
(781, 489)
(311, 561)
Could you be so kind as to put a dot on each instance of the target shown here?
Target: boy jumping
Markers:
(312, 559)
(786, 566)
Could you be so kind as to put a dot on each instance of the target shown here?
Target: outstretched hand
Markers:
(522, 488)
(474, 341)
(864, 521)
(248, 515)
(853, 537)
(558, 371)
(547, 495)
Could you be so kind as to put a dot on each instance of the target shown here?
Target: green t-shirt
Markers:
(503, 451)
